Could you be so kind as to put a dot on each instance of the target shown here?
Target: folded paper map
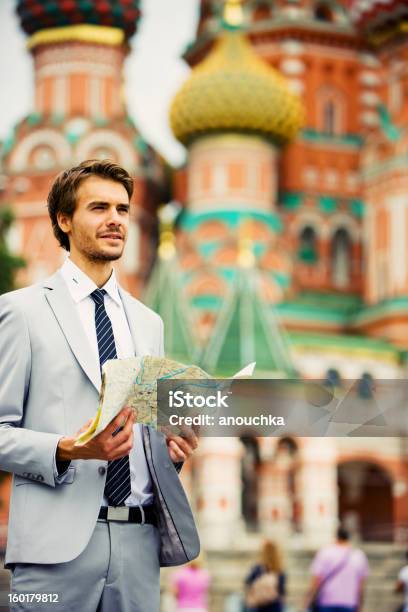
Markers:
(133, 382)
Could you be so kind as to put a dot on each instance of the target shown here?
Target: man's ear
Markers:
(64, 222)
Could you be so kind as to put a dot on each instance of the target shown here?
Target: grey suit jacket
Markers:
(49, 384)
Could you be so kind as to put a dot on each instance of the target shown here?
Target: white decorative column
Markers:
(274, 502)
(318, 490)
(218, 491)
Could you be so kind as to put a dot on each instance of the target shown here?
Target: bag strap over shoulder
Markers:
(341, 565)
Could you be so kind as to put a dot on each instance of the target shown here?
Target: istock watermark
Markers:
(284, 407)
(205, 420)
(181, 399)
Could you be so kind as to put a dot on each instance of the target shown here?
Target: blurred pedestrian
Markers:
(338, 577)
(265, 584)
(402, 584)
(190, 586)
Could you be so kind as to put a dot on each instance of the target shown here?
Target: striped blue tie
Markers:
(117, 486)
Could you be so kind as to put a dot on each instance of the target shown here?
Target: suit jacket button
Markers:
(102, 470)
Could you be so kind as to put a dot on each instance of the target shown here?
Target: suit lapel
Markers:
(59, 299)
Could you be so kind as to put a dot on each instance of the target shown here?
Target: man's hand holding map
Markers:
(133, 382)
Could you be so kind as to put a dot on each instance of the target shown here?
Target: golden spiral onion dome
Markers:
(234, 90)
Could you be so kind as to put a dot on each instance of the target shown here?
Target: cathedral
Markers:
(281, 240)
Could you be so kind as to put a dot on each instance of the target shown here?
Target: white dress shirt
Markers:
(80, 287)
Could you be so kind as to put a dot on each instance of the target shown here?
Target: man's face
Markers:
(99, 226)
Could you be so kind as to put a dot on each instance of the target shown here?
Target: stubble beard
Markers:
(97, 256)
(94, 255)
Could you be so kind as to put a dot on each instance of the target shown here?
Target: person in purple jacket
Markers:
(338, 573)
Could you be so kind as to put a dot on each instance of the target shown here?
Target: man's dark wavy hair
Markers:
(62, 196)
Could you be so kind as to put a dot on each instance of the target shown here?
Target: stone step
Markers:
(229, 568)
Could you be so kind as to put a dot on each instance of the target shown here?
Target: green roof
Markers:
(341, 341)
(232, 218)
(246, 331)
(324, 307)
(384, 308)
(343, 301)
(165, 295)
(353, 140)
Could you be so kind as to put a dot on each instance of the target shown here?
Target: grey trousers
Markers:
(118, 571)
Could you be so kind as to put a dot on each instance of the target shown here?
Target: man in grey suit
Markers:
(89, 526)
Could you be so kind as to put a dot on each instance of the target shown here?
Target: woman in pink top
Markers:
(190, 587)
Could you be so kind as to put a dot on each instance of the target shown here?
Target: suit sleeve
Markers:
(24, 452)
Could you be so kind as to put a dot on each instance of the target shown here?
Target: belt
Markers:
(136, 514)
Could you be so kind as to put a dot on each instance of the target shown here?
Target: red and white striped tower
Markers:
(79, 112)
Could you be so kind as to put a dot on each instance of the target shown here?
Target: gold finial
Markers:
(167, 243)
(246, 256)
(233, 13)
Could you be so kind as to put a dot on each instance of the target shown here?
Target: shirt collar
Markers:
(81, 286)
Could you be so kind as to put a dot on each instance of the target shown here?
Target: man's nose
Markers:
(114, 217)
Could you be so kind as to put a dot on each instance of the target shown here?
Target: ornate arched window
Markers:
(104, 153)
(395, 92)
(331, 110)
(365, 387)
(333, 377)
(308, 245)
(341, 258)
(323, 12)
(44, 157)
(329, 117)
(249, 477)
(206, 9)
(288, 445)
(288, 460)
(262, 10)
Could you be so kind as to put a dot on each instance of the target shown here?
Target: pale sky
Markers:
(154, 71)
